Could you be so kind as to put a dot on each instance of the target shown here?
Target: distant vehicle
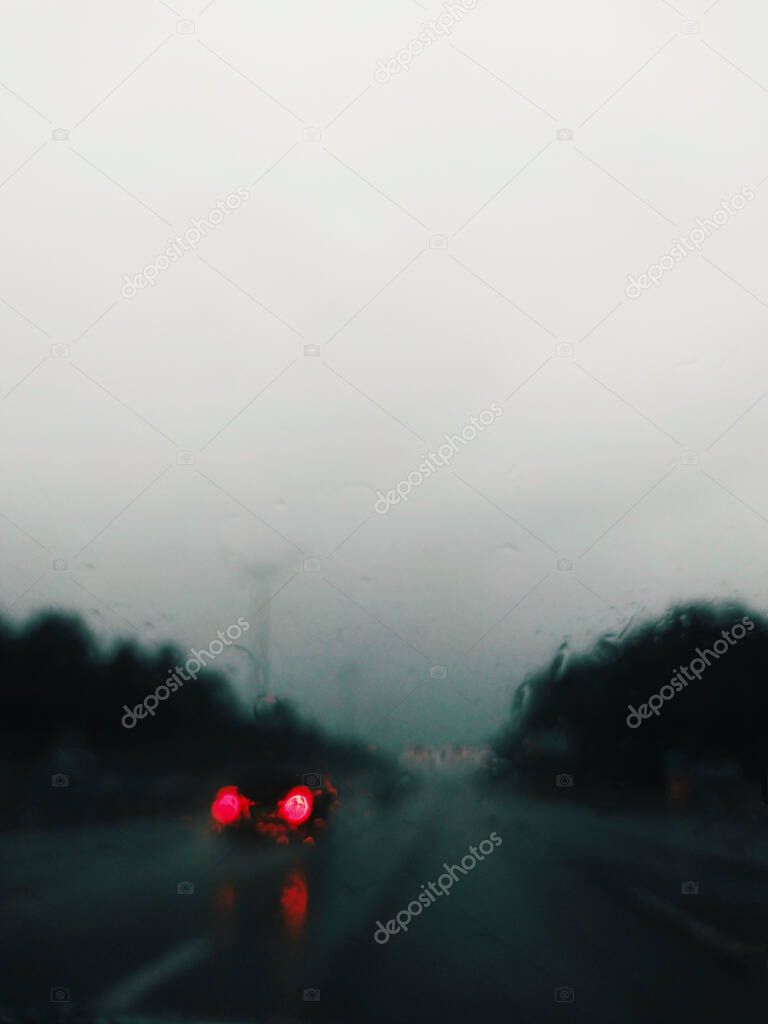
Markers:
(285, 814)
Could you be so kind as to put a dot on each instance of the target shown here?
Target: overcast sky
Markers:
(455, 232)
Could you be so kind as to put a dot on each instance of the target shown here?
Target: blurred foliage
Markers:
(578, 705)
(61, 690)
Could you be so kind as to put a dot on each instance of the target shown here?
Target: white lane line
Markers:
(699, 929)
(136, 985)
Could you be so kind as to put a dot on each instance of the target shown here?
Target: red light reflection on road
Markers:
(294, 903)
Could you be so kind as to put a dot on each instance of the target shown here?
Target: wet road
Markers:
(567, 918)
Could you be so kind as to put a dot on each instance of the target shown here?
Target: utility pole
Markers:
(259, 643)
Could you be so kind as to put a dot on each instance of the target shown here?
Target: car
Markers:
(276, 810)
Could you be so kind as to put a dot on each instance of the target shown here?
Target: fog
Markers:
(213, 444)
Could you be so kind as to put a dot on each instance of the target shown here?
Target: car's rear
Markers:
(275, 809)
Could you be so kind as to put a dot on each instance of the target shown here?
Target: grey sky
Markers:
(459, 235)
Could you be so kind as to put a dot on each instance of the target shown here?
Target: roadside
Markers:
(706, 877)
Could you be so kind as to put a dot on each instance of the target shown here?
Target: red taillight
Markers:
(229, 805)
(296, 806)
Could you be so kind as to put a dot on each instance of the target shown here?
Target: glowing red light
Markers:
(296, 806)
(228, 805)
(294, 902)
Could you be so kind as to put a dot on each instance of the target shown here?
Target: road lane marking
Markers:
(128, 992)
(706, 933)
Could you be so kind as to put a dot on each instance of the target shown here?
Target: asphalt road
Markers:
(567, 906)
